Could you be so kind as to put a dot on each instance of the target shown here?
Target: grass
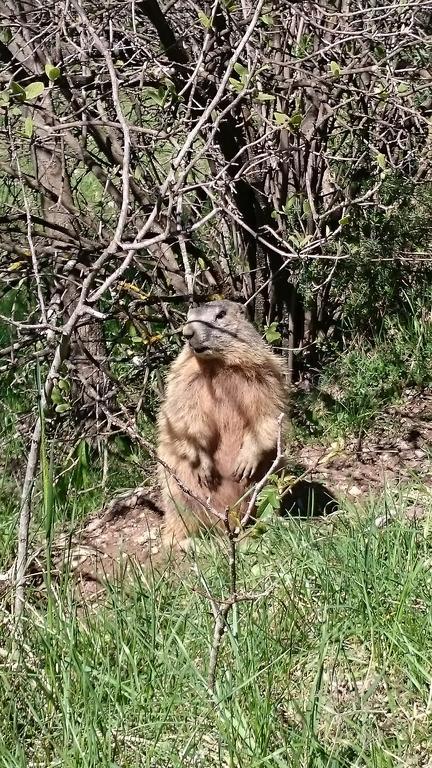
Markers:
(330, 668)
(366, 378)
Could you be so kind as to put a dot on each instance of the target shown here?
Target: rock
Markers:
(355, 491)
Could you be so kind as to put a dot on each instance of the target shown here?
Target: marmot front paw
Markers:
(246, 466)
(208, 475)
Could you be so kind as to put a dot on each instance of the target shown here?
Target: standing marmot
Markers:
(218, 424)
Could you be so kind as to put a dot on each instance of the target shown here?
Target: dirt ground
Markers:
(398, 449)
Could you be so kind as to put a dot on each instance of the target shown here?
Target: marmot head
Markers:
(213, 328)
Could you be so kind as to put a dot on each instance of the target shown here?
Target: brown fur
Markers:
(218, 423)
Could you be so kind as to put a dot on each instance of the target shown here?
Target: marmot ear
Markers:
(242, 310)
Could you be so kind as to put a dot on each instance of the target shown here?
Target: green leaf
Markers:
(272, 334)
(344, 220)
(267, 19)
(62, 408)
(28, 127)
(64, 385)
(280, 118)
(403, 88)
(289, 203)
(17, 90)
(53, 73)
(241, 70)
(307, 210)
(4, 98)
(265, 96)
(5, 35)
(266, 512)
(381, 160)
(295, 239)
(15, 265)
(83, 454)
(56, 396)
(383, 94)
(335, 68)
(157, 95)
(237, 85)
(268, 501)
(34, 90)
(295, 120)
(205, 20)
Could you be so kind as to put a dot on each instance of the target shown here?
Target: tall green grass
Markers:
(330, 666)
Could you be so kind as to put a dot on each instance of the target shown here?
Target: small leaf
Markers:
(5, 35)
(307, 210)
(64, 385)
(382, 93)
(344, 220)
(237, 85)
(205, 20)
(34, 90)
(258, 530)
(335, 68)
(62, 408)
(381, 160)
(83, 453)
(157, 95)
(4, 98)
(170, 86)
(267, 19)
(53, 73)
(268, 497)
(241, 70)
(17, 90)
(153, 339)
(289, 203)
(403, 88)
(272, 334)
(266, 513)
(56, 396)
(15, 265)
(265, 96)
(295, 120)
(280, 118)
(28, 127)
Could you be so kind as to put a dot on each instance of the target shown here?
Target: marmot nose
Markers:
(187, 331)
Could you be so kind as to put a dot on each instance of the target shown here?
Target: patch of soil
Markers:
(125, 535)
(398, 448)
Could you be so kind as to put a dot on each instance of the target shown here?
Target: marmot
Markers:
(218, 424)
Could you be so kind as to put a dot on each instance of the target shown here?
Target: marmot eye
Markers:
(221, 314)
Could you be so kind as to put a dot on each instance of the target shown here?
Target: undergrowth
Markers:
(367, 377)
